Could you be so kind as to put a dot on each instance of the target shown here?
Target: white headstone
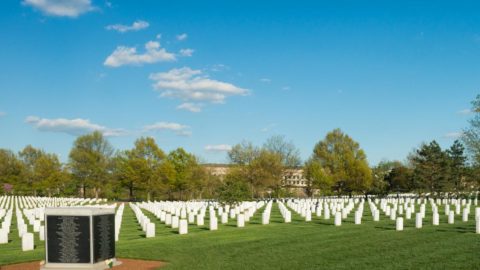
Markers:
(399, 224)
(224, 217)
(465, 215)
(175, 220)
(358, 217)
(27, 241)
(408, 213)
(36, 225)
(338, 219)
(191, 217)
(150, 232)
(240, 220)
(213, 223)
(326, 213)
(41, 233)
(436, 219)
(308, 215)
(451, 217)
(168, 219)
(200, 220)
(183, 227)
(265, 218)
(478, 225)
(288, 217)
(3, 236)
(418, 220)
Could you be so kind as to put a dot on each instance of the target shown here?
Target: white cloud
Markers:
(179, 129)
(265, 80)
(182, 37)
(286, 88)
(465, 112)
(2, 114)
(218, 148)
(158, 36)
(61, 8)
(453, 135)
(74, 127)
(189, 106)
(186, 52)
(129, 56)
(188, 84)
(136, 26)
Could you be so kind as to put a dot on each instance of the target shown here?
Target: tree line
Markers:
(337, 165)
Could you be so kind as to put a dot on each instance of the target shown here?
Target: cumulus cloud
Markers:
(218, 148)
(182, 37)
(129, 56)
(189, 106)
(191, 85)
(73, 127)
(179, 129)
(136, 26)
(61, 8)
(453, 135)
(186, 52)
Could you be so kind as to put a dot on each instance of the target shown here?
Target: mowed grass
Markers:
(298, 245)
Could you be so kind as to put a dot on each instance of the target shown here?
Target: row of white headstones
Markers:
(33, 209)
(178, 215)
(341, 208)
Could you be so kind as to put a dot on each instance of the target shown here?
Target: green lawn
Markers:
(298, 245)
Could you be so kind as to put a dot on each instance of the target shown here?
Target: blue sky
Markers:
(207, 75)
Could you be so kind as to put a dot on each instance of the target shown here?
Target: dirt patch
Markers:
(127, 264)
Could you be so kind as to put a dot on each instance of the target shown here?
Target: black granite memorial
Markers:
(79, 237)
(103, 237)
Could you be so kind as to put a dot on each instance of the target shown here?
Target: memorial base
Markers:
(79, 266)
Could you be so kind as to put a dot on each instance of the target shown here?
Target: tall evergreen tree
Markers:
(431, 168)
(457, 164)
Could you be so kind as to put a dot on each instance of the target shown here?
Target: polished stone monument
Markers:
(79, 238)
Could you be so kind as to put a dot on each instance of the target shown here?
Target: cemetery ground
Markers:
(317, 244)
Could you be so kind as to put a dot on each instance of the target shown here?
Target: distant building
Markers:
(293, 180)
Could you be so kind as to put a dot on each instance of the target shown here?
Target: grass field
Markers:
(298, 245)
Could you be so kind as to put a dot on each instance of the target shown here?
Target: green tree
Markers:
(29, 156)
(12, 170)
(431, 168)
(317, 178)
(457, 162)
(342, 159)
(147, 158)
(399, 179)
(185, 165)
(471, 135)
(380, 185)
(267, 171)
(90, 162)
(290, 155)
(243, 153)
(233, 190)
(49, 174)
